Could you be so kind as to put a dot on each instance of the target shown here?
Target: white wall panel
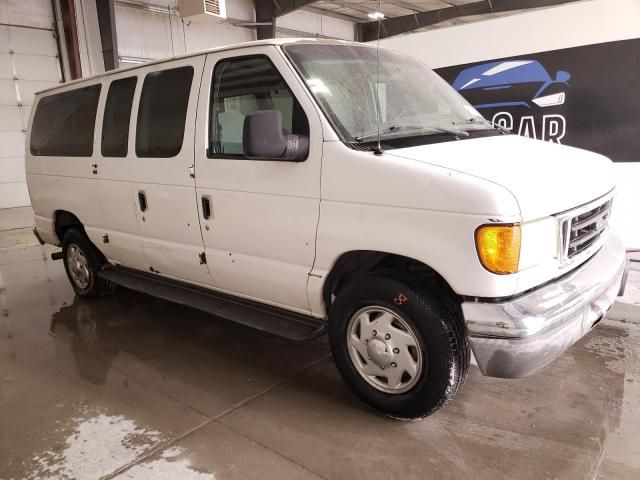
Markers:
(32, 42)
(28, 63)
(7, 91)
(10, 118)
(33, 13)
(14, 194)
(143, 34)
(36, 67)
(315, 24)
(200, 36)
(6, 68)
(12, 169)
(12, 145)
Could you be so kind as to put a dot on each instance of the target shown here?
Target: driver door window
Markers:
(242, 86)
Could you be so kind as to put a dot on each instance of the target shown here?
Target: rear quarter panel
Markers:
(60, 183)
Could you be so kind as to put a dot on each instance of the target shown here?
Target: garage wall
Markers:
(28, 63)
(549, 30)
(149, 31)
(303, 23)
(155, 30)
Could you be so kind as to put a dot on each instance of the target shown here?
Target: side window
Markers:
(117, 112)
(64, 123)
(163, 112)
(246, 85)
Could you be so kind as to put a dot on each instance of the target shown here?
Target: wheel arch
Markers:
(62, 221)
(353, 264)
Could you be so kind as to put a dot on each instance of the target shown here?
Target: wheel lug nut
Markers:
(394, 364)
(381, 368)
(374, 333)
(387, 336)
(366, 341)
(396, 350)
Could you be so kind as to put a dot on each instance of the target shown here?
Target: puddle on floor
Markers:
(99, 445)
(96, 447)
(168, 467)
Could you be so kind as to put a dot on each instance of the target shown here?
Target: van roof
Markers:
(235, 46)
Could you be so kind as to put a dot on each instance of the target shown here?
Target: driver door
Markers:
(258, 217)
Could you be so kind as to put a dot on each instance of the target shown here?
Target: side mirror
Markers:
(262, 137)
(562, 76)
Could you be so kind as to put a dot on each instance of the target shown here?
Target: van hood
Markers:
(545, 178)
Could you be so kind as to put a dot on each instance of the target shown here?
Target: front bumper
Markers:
(515, 338)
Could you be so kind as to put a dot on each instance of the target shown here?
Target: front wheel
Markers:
(399, 345)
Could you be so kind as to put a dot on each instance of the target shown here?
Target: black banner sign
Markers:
(587, 97)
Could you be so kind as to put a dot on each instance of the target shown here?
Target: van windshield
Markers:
(354, 90)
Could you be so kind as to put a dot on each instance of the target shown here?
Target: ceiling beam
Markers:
(265, 13)
(394, 26)
(268, 10)
(108, 36)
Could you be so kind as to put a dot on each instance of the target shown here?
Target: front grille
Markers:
(583, 227)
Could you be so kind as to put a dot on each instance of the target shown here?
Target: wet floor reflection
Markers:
(92, 385)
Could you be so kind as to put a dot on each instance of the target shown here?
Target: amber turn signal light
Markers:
(498, 248)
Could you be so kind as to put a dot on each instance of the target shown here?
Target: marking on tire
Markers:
(400, 299)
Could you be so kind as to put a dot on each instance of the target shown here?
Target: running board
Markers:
(265, 318)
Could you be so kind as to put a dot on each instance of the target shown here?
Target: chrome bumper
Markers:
(515, 338)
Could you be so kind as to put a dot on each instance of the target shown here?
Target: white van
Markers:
(302, 186)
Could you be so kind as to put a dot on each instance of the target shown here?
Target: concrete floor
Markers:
(135, 387)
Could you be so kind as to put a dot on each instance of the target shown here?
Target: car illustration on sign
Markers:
(512, 83)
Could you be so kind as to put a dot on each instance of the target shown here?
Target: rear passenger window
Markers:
(242, 86)
(64, 123)
(163, 112)
(117, 112)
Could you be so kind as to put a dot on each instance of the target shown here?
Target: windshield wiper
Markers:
(401, 128)
(497, 126)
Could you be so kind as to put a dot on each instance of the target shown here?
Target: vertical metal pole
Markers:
(68, 10)
(58, 28)
(265, 12)
(108, 37)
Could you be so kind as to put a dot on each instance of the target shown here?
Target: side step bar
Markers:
(265, 318)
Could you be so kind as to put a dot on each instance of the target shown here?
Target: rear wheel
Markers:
(82, 262)
(400, 345)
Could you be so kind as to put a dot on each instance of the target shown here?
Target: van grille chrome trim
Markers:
(582, 229)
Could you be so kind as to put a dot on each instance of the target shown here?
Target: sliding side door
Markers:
(165, 201)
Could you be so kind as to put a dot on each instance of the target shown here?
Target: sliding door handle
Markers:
(142, 200)
(206, 207)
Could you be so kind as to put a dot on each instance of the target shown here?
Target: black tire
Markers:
(95, 286)
(437, 323)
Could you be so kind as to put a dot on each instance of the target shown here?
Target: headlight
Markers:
(498, 247)
(550, 100)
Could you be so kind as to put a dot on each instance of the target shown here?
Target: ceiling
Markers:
(357, 10)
